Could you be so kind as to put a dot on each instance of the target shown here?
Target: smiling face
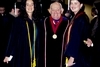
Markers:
(55, 10)
(75, 6)
(29, 6)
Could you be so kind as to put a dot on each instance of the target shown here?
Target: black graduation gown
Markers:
(52, 54)
(18, 45)
(76, 47)
(6, 25)
(2, 45)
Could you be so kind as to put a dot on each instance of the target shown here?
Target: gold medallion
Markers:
(54, 36)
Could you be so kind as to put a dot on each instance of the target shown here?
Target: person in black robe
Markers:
(6, 25)
(7, 21)
(78, 30)
(23, 40)
(2, 41)
(51, 51)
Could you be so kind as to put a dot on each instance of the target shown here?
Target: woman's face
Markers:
(75, 6)
(29, 6)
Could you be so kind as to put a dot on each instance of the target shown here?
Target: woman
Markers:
(22, 46)
(78, 31)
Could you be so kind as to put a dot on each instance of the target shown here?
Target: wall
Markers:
(88, 10)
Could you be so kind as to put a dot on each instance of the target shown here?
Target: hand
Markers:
(70, 62)
(6, 60)
(88, 42)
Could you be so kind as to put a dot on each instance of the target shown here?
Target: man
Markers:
(8, 20)
(52, 51)
(94, 21)
(95, 40)
(2, 10)
(6, 27)
(2, 46)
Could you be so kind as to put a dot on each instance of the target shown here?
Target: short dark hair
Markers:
(94, 10)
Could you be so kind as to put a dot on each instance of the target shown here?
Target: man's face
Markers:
(55, 11)
(2, 10)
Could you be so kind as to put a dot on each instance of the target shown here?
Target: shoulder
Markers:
(19, 21)
(64, 18)
(83, 17)
(47, 19)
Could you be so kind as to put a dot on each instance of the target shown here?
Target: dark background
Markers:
(45, 3)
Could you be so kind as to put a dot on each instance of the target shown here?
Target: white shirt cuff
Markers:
(10, 58)
(92, 45)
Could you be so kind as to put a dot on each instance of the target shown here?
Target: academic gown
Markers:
(76, 47)
(8, 21)
(51, 52)
(6, 24)
(18, 45)
(2, 45)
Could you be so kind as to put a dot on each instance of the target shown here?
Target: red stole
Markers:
(70, 27)
(56, 25)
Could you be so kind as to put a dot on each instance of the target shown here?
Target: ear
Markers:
(81, 5)
(62, 10)
(49, 10)
(12, 10)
